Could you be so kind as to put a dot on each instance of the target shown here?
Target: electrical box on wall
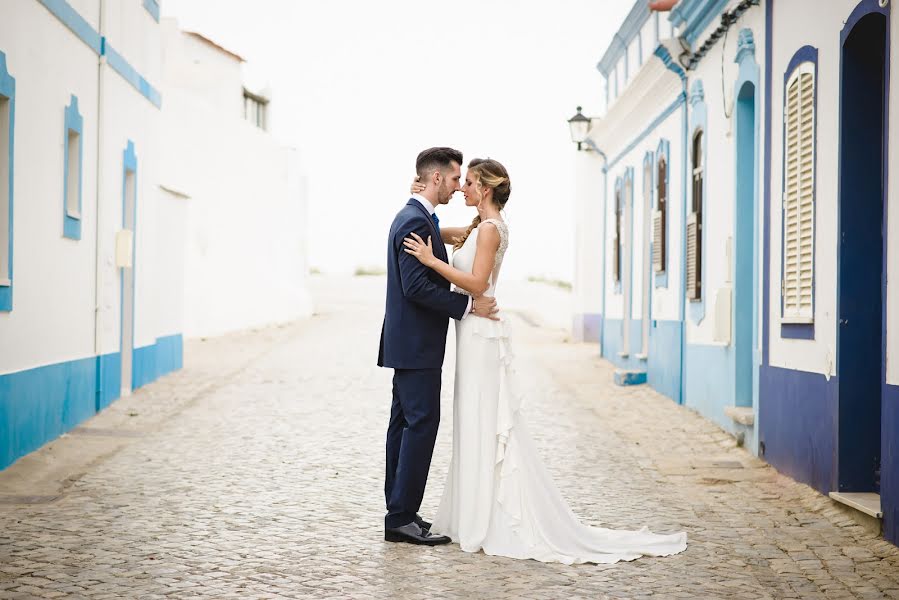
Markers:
(124, 245)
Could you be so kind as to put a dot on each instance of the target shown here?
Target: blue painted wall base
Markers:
(709, 382)
(662, 365)
(889, 465)
(39, 405)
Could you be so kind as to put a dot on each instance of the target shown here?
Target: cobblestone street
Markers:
(257, 472)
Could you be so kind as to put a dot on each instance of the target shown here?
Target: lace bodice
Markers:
(463, 258)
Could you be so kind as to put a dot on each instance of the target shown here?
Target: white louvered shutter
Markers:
(692, 249)
(658, 260)
(798, 196)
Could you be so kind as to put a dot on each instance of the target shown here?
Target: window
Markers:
(616, 241)
(694, 225)
(5, 200)
(7, 147)
(72, 172)
(660, 218)
(254, 109)
(799, 195)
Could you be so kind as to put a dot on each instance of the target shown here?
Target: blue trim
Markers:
(71, 226)
(129, 165)
(797, 331)
(746, 225)
(123, 68)
(8, 91)
(650, 128)
(38, 405)
(69, 17)
(695, 16)
(662, 53)
(629, 30)
(698, 122)
(629, 202)
(766, 182)
(619, 207)
(152, 7)
(803, 55)
(663, 150)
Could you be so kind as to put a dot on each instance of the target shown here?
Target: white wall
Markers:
(246, 255)
(818, 355)
(588, 223)
(53, 285)
(55, 278)
(719, 173)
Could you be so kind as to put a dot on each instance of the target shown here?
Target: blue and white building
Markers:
(142, 200)
(734, 244)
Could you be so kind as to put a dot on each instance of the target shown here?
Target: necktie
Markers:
(436, 221)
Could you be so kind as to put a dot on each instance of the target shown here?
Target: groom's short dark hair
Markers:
(434, 158)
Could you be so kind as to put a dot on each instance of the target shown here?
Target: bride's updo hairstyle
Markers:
(487, 173)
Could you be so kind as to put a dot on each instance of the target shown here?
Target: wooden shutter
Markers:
(693, 283)
(798, 196)
(694, 224)
(616, 240)
(659, 220)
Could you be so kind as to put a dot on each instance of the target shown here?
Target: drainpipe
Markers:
(605, 192)
(98, 264)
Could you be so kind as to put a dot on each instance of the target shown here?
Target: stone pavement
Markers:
(256, 472)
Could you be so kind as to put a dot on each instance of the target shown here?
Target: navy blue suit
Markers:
(413, 343)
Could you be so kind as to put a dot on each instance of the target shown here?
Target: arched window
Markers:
(799, 195)
(694, 224)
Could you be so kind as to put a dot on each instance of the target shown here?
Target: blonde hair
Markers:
(488, 173)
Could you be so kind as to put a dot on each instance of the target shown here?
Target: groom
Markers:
(413, 342)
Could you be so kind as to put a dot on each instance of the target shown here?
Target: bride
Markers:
(498, 497)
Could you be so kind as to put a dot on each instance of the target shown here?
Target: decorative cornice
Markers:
(697, 93)
(745, 46)
(662, 53)
(629, 30)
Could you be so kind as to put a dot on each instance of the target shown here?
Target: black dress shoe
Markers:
(414, 534)
(422, 523)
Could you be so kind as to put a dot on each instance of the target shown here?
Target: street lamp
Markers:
(579, 125)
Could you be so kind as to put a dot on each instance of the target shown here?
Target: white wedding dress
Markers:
(498, 497)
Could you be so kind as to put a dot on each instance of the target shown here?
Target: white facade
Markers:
(246, 228)
(774, 315)
(143, 208)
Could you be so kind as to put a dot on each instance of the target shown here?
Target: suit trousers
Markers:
(414, 418)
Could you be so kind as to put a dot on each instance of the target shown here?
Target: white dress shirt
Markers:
(431, 210)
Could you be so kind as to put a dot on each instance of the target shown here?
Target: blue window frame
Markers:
(698, 149)
(661, 205)
(7, 151)
(72, 171)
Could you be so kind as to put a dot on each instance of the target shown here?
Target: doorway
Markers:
(745, 275)
(861, 253)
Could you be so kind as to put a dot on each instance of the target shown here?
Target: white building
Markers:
(116, 225)
(756, 293)
(246, 228)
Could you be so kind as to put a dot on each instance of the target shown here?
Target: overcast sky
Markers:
(360, 87)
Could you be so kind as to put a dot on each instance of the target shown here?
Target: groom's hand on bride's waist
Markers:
(485, 306)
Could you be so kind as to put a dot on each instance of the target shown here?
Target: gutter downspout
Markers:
(98, 265)
(605, 192)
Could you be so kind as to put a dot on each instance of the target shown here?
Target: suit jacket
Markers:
(419, 301)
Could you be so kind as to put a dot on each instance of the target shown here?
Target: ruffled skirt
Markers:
(498, 496)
